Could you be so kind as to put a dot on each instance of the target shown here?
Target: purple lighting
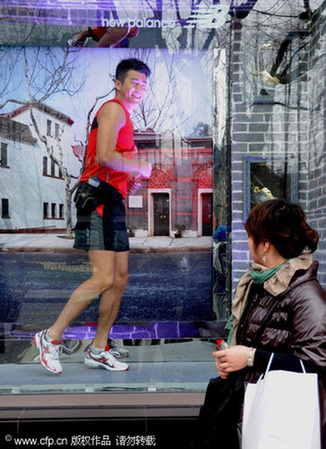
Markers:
(154, 330)
(76, 12)
(116, 13)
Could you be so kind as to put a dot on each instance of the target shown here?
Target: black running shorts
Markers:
(107, 233)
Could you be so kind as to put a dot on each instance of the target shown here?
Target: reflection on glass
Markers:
(43, 143)
(234, 115)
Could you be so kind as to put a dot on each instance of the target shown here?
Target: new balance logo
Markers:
(213, 16)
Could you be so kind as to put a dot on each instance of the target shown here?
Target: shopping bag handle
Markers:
(271, 360)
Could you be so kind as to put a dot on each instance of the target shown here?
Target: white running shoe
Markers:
(105, 359)
(49, 352)
(74, 42)
(117, 351)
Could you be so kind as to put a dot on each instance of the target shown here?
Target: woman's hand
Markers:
(231, 359)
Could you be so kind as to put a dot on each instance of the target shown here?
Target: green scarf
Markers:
(259, 277)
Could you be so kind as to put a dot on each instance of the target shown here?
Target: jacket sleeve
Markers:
(309, 324)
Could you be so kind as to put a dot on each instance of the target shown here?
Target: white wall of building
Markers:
(23, 182)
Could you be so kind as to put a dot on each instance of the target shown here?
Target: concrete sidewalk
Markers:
(51, 242)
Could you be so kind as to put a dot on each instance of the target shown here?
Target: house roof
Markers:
(147, 135)
(10, 129)
(41, 107)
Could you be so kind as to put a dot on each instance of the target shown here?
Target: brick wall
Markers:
(316, 163)
(280, 122)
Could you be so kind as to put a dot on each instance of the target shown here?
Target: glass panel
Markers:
(175, 137)
(235, 112)
(169, 295)
(269, 178)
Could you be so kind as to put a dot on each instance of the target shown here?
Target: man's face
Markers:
(132, 90)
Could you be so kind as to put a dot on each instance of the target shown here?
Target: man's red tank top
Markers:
(125, 146)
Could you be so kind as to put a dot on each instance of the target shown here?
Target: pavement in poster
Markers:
(58, 242)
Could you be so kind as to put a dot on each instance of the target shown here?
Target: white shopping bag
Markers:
(281, 411)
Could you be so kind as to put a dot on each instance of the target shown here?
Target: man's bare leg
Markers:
(109, 279)
(103, 273)
(111, 300)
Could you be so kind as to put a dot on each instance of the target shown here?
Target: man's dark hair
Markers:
(130, 64)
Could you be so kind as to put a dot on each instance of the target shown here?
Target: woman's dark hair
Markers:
(284, 225)
(130, 64)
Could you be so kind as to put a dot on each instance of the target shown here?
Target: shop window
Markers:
(268, 178)
(228, 85)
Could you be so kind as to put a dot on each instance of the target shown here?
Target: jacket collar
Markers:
(280, 282)
(275, 285)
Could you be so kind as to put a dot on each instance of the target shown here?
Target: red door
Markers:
(207, 223)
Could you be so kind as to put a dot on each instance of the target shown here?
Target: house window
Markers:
(45, 165)
(45, 210)
(61, 211)
(5, 208)
(4, 155)
(56, 130)
(48, 127)
(51, 171)
(52, 168)
(53, 210)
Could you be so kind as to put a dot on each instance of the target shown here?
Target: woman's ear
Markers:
(266, 245)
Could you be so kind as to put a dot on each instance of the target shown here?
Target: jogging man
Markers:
(102, 230)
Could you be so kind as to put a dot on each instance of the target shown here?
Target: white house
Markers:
(32, 189)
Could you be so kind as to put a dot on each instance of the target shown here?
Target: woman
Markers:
(281, 244)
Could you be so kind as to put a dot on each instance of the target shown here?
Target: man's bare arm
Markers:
(111, 119)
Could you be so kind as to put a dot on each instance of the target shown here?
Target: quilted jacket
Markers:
(297, 325)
